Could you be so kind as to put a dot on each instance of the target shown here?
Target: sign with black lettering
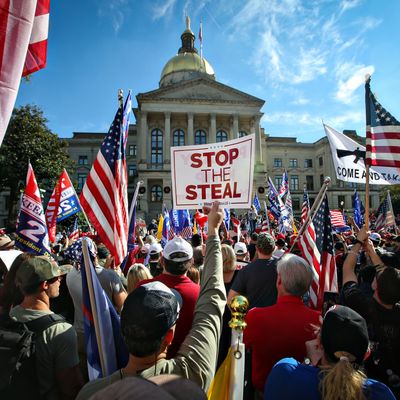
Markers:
(213, 172)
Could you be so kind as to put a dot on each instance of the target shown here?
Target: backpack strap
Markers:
(41, 324)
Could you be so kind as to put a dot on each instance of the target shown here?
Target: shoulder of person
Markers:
(378, 390)
(94, 386)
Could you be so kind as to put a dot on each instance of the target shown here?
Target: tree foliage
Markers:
(29, 139)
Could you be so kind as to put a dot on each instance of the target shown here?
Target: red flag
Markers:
(104, 196)
(337, 219)
(37, 50)
(16, 21)
(52, 210)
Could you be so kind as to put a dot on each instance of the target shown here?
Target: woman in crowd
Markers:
(137, 273)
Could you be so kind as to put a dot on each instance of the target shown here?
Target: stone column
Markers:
(213, 129)
(167, 138)
(255, 128)
(235, 126)
(145, 135)
(190, 133)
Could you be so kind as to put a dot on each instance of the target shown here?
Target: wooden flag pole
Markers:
(366, 219)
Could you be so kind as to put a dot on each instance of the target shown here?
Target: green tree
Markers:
(29, 139)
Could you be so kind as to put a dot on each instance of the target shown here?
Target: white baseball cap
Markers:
(155, 248)
(178, 245)
(240, 248)
(375, 237)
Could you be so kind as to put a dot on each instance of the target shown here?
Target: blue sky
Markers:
(306, 59)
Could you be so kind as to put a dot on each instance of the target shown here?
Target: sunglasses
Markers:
(55, 279)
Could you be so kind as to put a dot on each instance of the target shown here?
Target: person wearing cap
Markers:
(148, 322)
(176, 260)
(282, 329)
(382, 311)
(241, 254)
(375, 239)
(257, 280)
(155, 251)
(333, 367)
(56, 347)
(280, 249)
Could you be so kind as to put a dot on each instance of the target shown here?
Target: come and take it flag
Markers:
(64, 200)
(31, 231)
(383, 133)
(104, 196)
(316, 245)
(99, 316)
(384, 215)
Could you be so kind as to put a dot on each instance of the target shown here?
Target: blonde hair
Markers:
(342, 381)
(137, 272)
(228, 258)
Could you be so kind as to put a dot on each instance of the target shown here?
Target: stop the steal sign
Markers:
(213, 172)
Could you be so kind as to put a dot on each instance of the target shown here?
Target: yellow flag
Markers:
(219, 388)
(160, 228)
(194, 228)
(294, 228)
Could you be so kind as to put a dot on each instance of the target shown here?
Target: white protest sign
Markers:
(349, 164)
(213, 172)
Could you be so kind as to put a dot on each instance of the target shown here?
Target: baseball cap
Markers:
(178, 245)
(145, 248)
(240, 248)
(265, 243)
(150, 311)
(38, 269)
(344, 330)
(375, 237)
(6, 242)
(155, 248)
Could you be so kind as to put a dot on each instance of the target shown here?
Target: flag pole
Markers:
(391, 210)
(134, 198)
(88, 272)
(314, 207)
(368, 119)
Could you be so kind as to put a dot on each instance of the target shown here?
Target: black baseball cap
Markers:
(344, 330)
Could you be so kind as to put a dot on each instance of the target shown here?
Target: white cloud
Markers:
(291, 118)
(341, 121)
(311, 63)
(351, 78)
(117, 10)
(162, 9)
(300, 101)
(348, 5)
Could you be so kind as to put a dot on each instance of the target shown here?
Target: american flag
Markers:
(384, 215)
(305, 209)
(383, 133)
(337, 219)
(284, 184)
(316, 245)
(74, 231)
(104, 196)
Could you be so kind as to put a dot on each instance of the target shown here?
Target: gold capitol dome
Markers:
(187, 64)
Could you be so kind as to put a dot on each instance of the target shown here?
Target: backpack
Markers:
(18, 373)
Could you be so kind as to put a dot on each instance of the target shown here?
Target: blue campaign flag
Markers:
(256, 203)
(358, 219)
(69, 202)
(273, 199)
(132, 230)
(174, 220)
(166, 226)
(100, 316)
(227, 218)
(31, 230)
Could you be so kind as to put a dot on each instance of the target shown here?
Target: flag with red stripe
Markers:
(74, 231)
(337, 219)
(104, 196)
(383, 133)
(305, 208)
(316, 245)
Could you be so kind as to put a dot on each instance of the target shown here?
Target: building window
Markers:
(132, 150)
(156, 146)
(83, 160)
(156, 193)
(293, 163)
(179, 138)
(294, 182)
(310, 182)
(296, 203)
(321, 180)
(277, 162)
(242, 133)
(278, 181)
(340, 183)
(132, 170)
(352, 185)
(222, 136)
(200, 137)
(81, 181)
(321, 161)
(308, 163)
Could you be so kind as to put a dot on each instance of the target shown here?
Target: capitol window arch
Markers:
(221, 136)
(242, 133)
(200, 137)
(156, 193)
(178, 137)
(156, 146)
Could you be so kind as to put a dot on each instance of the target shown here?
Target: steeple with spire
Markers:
(187, 38)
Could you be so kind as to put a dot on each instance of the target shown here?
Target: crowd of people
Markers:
(173, 301)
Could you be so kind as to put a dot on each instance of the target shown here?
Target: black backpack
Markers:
(18, 373)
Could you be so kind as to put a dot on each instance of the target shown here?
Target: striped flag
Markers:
(337, 219)
(37, 49)
(305, 209)
(384, 215)
(185, 225)
(316, 245)
(383, 133)
(104, 196)
(74, 231)
(289, 207)
(284, 184)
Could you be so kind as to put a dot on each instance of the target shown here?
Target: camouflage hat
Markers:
(38, 269)
(265, 243)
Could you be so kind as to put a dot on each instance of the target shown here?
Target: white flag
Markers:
(348, 159)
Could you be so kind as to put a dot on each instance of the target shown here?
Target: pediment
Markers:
(199, 90)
